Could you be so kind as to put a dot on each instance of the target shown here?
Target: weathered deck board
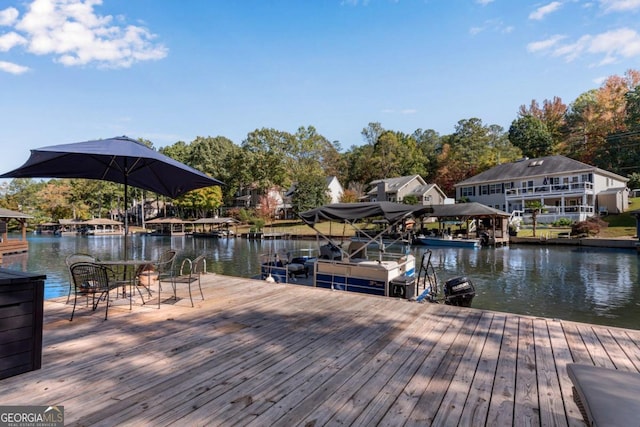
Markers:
(254, 353)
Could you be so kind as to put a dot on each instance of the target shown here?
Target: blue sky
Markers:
(74, 70)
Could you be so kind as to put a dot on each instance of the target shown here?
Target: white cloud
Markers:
(611, 46)
(543, 11)
(72, 32)
(620, 5)
(495, 25)
(624, 42)
(484, 2)
(10, 40)
(403, 111)
(12, 68)
(545, 44)
(8, 16)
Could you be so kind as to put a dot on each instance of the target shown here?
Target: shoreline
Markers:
(594, 242)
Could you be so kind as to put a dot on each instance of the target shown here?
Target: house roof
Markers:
(423, 189)
(393, 184)
(220, 220)
(101, 221)
(529, 168)
(6, 213)
(167, 220)
(70, 221)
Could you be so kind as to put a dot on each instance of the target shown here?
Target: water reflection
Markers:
(589, 285)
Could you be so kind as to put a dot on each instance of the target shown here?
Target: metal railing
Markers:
(551, 189)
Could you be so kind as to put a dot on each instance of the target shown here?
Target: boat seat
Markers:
(606, 397)
(357, 250)
(295, 269)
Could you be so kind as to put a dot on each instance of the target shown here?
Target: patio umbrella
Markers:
(120, 160)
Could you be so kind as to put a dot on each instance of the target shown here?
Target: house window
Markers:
(484, 190)
(525, 185)
(495, 188)
(427, 198)
(467, 191)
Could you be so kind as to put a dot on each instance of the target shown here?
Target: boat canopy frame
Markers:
(351, 213)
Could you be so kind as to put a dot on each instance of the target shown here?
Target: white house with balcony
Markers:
(565, 187)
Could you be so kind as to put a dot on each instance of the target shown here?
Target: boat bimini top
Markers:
(351, 213)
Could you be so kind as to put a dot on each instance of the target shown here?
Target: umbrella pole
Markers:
(126, 215)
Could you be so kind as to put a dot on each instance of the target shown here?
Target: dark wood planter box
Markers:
(21, 314)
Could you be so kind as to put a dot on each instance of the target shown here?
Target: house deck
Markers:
(256, 353)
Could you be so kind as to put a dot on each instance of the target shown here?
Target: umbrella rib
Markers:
(112, 163)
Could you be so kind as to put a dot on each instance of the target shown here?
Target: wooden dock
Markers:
(262, 354)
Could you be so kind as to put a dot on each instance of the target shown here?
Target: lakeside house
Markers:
(565, 187)
(396, 189)
(252, 197)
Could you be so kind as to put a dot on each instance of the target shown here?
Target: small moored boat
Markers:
(447, 240)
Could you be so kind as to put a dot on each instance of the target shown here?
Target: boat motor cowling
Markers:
(459, 291)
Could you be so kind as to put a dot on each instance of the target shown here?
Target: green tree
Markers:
(466, 152)
(53, 200)
(266, 158)
(634, 180)
(632, 113)
(372, 132)
(536, 207)
(21, 193)
(211, 156)
(411, 200)
(552, 114)
(179, 151)
(429, 143)
(310, 192)
(582, 126)
(359, 168)
(531, 135)
(200, 203)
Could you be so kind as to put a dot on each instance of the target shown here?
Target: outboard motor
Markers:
(459, 291)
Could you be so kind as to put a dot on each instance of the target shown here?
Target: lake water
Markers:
(599, 286)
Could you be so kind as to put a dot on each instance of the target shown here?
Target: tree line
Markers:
(600, 127)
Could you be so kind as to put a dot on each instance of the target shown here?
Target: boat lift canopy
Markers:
(351, 213)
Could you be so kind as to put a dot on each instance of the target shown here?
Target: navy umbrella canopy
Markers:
(120, 160)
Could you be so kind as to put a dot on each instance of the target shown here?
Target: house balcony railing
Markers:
(550, 190)
(551, 214)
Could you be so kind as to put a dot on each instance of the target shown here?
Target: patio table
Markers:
(127, 270)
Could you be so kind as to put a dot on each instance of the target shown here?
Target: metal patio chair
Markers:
(164, 271)
(190, 272)
(94, 281)
(72, 259)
